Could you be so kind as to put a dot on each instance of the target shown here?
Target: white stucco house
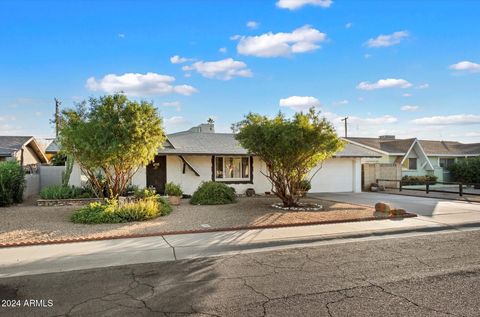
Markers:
(199, 154)
(417, 157)
(23, 149)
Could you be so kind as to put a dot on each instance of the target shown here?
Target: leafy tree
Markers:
(466, 170)
(110, 138)
(291, 148)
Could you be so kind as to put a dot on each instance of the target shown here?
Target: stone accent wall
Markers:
(372, 172)
(67, 202)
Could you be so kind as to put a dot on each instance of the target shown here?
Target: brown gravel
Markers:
(27, 222)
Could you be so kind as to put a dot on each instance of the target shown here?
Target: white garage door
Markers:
(336, 175)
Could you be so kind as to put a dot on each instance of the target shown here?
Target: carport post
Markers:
(460, 189)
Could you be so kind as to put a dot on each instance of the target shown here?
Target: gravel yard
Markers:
(30, 223)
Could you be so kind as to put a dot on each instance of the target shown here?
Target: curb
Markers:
(169, 233)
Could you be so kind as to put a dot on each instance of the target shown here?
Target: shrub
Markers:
(12, 183)
(213, 193)
(143, 193)
(112, 212)
(65, 192)
(305, 185)
(172, 189)
(466, 171)
(419, 180)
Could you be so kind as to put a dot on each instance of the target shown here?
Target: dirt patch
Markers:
(30, 223)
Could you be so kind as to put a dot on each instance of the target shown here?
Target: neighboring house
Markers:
(199, 154)
(418, 157)
(24, 149)
(52, 149)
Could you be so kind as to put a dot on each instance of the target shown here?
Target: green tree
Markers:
(291, 148)
(110, 138)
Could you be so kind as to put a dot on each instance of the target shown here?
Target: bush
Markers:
(466, 171)
(213, 193)
(305, 185)
(172, 189)
(143, 193)
(65, 192)
(12, 183)
(112, 212)
(419, 180)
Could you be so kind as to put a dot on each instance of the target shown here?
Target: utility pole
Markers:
(57, 115)
(346, 131)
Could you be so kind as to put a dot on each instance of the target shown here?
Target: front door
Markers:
(157, 174)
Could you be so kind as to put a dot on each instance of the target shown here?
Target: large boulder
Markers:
(397, 212)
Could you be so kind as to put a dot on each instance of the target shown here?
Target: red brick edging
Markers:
(167, 233)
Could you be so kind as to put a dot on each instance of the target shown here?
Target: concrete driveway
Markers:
(443, 211)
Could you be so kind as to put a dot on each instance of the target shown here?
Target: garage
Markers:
(338, 175)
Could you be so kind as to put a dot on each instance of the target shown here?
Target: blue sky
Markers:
(409, 68)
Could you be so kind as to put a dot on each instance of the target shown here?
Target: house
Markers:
(199, 154)
(417, 157)
(24, 149)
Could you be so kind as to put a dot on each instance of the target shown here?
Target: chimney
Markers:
(203, 128)
(387, 137)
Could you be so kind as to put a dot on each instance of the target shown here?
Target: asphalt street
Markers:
(429, 275)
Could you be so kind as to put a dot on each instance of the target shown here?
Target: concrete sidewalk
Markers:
(29, 260)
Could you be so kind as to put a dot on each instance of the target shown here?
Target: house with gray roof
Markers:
(24, 149)
(200, 154)
(418, 157)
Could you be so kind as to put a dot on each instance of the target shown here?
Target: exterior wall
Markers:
(372, 172)
(32, 185)
(77, 178)
(140, 177)
(203, 164)
(29, 156)
(50, 175)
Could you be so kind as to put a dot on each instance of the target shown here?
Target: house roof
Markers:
(11, 144)
(202, 143)
(401, 146)
(53, 147)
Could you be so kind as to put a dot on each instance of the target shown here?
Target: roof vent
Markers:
(387, 137)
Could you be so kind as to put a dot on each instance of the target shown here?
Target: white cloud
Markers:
(409, 108)
(340, 102)
(466, 66)
(472, 134)
(7, 118)
(449, 120)
(175, 104)
(348, 25)
(121, 35)
(297, 4)
(384, 83)
(299, 103)
(135, 84)
(301, 40)
(224, 69)
(422, 86)
(179, 60)
(367, 56)
(253, 25)
(406, 94)
(222, 50)
(387, 40)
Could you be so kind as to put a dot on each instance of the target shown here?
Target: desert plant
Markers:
(65, 192)
(112, 135)
(112, 212)
(12, 183)
(147, 192)
(213, 193)
(291, 148)
(305, 185)
(172, 189)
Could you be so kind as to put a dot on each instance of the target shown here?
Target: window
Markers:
(410, 164)
(228, 168)
(446, 162)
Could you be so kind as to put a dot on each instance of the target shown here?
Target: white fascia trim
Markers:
(454, 155)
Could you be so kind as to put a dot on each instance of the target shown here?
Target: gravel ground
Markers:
(28, 222)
